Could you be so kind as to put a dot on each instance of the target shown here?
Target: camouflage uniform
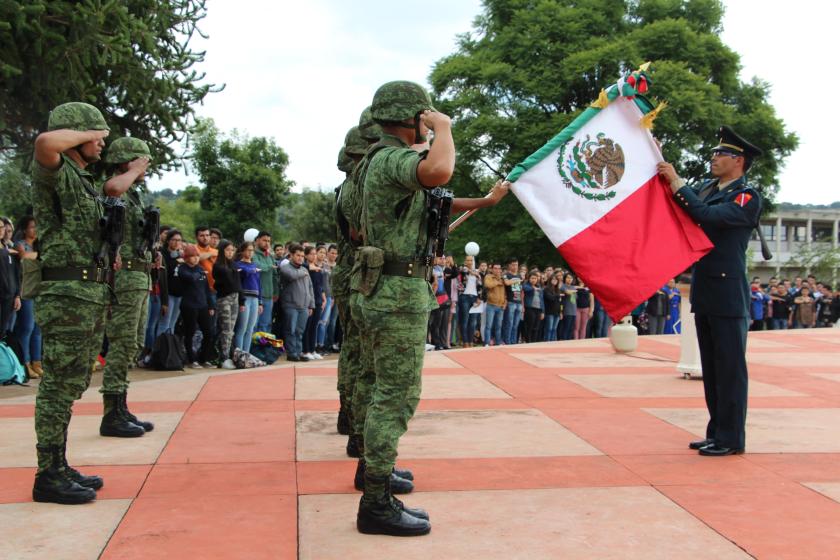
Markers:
(127, 323)
(71, 313)
(350, 359)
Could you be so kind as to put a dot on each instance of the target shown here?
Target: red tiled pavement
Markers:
(227, 484)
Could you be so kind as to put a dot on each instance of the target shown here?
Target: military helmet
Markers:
(345, 162)
(76, 116)
(398, 101)
(368, 128)
(354, 144)
(127, 149)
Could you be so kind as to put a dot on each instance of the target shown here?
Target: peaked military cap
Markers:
(731, 143)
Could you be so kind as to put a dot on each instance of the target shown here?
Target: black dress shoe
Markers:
(715, 451)
(700, 443)
(292, 359)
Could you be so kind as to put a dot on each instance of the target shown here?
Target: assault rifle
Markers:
(150, 226)
(438, 210)
(112, 226)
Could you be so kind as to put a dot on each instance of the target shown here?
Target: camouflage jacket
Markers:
(394, 220)
(67, 208)
(340, 277)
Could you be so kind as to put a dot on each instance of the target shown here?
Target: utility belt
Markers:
(76, 273)
(410, 269)
(136, 265)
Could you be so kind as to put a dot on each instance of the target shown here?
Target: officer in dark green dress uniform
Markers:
(728, 210)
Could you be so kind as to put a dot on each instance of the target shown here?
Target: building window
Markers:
(799, 233)
(769, 231)
(821, 233)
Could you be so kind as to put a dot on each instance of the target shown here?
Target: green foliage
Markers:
(244, 179)
(131, 59)
(308, 216)
(180, 212)
(531, 66)
(819, 259)
(15, 190)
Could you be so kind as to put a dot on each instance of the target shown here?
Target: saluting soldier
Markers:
(72, 296)
(728, 210)
(394, 307)
(128, 159)
(355, 363)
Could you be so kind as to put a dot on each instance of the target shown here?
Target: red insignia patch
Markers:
(742, 199)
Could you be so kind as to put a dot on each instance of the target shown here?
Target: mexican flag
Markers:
(595, 192)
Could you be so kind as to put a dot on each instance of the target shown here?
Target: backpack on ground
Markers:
(168, 353)
(12, 371)
(244, 360)
(12, 342)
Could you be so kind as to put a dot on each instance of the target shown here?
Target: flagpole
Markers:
(463, 217)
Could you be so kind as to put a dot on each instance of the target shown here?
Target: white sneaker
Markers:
(228, 364)
(308, 356)
(196, 365)
(430, 347)
(317, 356)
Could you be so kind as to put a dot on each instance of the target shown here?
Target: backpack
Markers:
(268, 354)
(168, 353)
(11, 370)
(244, 360)
(11, 341)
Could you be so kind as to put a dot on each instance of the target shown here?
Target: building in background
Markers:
(799, 234)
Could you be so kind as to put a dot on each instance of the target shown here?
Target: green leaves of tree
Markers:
(530, 66)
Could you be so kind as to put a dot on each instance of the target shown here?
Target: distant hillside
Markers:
(791, 206)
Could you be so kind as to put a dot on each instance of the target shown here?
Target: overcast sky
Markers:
(301, 72)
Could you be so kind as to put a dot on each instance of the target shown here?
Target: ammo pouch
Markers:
(32, 276)
(367, 270)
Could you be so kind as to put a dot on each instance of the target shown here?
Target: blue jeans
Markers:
(172, 314)
(321, 333)
(153, 321)
(510, 326)
(27, 332)
(551, 322)
(245, 323)
(567, 328)
(294, 323)
(602, 324)
(493, 324)
(466, 322)
(330, 339)
(779, 323)
(264, 319)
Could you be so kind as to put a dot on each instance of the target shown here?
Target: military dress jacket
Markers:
(719, 283)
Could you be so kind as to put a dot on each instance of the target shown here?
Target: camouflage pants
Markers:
(227, 308)
(396, 341)
(72, 331)
(125, 329)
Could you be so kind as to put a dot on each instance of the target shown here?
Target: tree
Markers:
(245, 179)
(819, 259)
(309, 216)
(531, 66)
(181, 211)
(131, 59)
(15, 190)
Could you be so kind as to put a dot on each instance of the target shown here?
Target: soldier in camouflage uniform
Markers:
(126, 325)
(393, 296)
(353, 357)
(72, 295)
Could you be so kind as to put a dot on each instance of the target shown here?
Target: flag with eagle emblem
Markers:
(595, 192)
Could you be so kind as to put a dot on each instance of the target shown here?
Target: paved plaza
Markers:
(545, 451)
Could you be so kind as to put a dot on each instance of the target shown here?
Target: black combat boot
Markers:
(380, 514)
(93, 482)
(403, 473)
(52, 482)
(343, 423)
(114, 424)
(147, 426)
(353, 448)
(398, 485)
